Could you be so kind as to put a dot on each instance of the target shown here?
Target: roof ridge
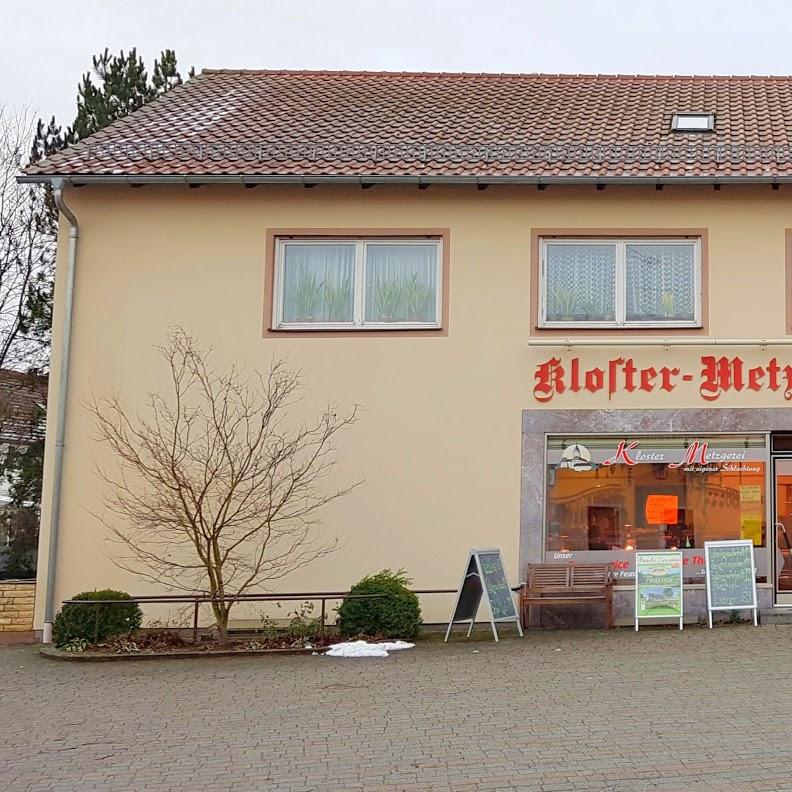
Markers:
(503, 75)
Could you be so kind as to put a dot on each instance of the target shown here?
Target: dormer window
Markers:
(693, 122)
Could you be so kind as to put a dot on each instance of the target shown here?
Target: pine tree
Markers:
(47, 140)
(166, 74)
(122, 86)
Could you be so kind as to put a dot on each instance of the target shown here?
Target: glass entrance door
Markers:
(783, 530)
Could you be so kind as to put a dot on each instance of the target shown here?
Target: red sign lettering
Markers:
(695, 453)
(623, 454)
(718, 375)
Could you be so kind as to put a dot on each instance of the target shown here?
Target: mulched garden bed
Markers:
(168, 644)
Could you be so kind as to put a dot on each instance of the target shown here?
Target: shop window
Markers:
(358, 284)
(620, 283)
(609, 496)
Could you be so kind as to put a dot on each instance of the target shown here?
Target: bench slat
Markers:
(567, 584)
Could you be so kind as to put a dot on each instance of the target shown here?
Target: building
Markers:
(23, 400)
(564, 302)
(23, 404)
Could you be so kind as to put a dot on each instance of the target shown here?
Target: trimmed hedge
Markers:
(396, 615)
(96, 623)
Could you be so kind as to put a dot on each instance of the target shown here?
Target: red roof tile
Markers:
(303, 125)
(23, 404)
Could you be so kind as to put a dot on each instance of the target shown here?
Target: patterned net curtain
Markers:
(581, 282)
(401, 283)
(660, 283)
(318, 283)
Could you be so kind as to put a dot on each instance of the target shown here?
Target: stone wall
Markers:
(16, 605)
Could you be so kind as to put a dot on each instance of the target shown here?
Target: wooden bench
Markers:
(567, 584)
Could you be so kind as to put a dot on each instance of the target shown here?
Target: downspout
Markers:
(60, 415)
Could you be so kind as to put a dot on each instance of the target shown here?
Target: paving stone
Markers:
(610, 712)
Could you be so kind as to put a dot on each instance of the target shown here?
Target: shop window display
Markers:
(610, 496)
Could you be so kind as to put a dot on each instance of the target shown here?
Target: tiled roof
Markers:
(23, 404)
(291, 125)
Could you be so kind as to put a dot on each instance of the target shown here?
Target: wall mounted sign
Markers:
(690, 454)
(485, 578)
(658, 586)
(717, 375)
(731, 577)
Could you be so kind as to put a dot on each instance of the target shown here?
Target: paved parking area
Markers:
(582, 711)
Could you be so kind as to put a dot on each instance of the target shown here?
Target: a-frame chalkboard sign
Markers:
(731, 576)
(485, 578)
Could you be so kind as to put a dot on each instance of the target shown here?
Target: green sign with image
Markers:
(658, 585)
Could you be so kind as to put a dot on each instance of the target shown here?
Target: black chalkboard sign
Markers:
(470, 592)
(500, 594)
(731, 576)
(485, 578)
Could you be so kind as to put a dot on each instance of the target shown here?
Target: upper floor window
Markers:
(358, 283)
(620, 283)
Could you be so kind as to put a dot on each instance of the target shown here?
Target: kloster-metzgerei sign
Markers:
(717, 375)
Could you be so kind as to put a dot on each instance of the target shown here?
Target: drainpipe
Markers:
(60, 414)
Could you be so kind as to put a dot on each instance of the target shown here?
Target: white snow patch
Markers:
(366, 649)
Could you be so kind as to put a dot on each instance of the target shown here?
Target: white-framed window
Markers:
(358, 283)
(644, 282)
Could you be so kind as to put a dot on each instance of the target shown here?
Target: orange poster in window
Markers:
(662, 509)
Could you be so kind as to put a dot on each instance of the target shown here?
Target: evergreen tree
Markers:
(48, 139)
(122, 87)
(36, 320)
(166, 74)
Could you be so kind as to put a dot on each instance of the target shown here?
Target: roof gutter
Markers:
(364, 180)
(60, 415)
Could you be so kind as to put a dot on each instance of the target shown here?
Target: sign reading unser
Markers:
(717, 375)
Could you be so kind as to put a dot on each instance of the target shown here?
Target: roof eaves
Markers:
(78, 180)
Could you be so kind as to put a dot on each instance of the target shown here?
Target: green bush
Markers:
(96, 623)
(396, 615)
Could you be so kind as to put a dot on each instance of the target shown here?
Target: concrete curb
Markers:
(183, 654)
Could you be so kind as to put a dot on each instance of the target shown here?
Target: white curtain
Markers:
(401, 283)
(660, 283)
(581, 282)
(318, 283)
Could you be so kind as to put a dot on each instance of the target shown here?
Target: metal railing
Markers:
(196, 600)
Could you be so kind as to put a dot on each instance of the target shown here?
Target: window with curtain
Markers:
(581, 281)
(620, 282)
(318, 283)
(358, 283)
(401, 283)
(660, 283)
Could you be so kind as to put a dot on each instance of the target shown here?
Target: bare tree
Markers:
(215, 489)
(27, 249)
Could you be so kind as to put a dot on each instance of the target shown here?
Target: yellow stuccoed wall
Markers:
(438, 442)
(16, 605)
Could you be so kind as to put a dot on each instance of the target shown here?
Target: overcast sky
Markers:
(45, 51)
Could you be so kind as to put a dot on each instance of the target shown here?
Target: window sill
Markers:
(341, 328)
(330, 331)
(619, 327)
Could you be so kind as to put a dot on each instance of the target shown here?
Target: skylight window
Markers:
(693, 122)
